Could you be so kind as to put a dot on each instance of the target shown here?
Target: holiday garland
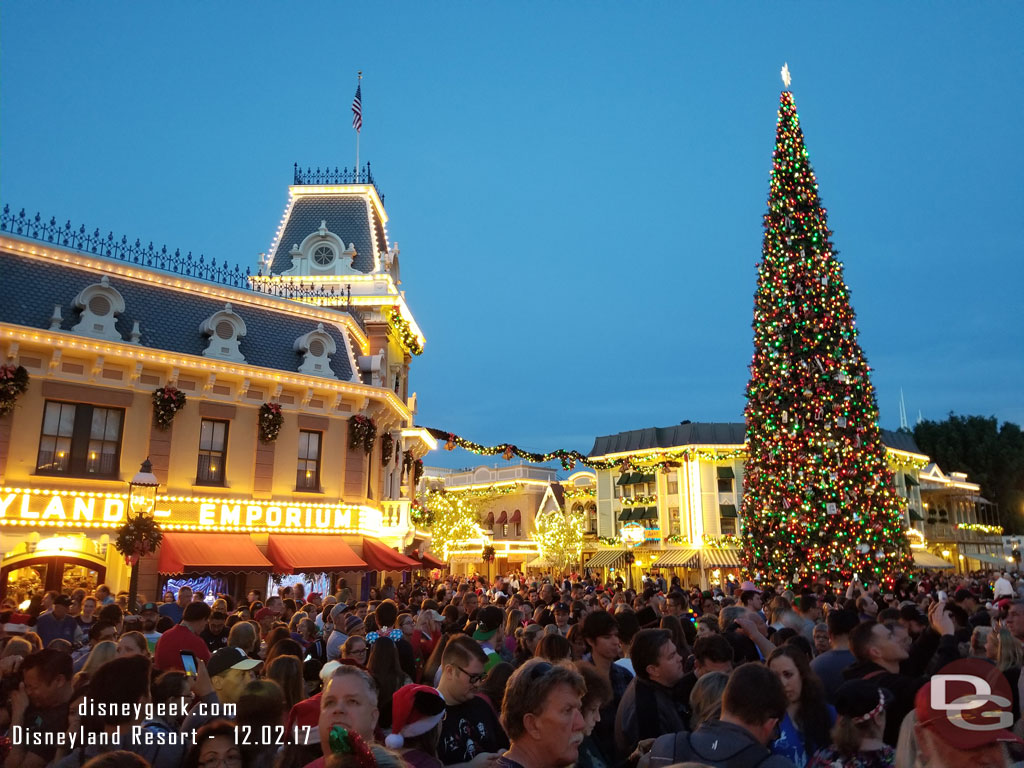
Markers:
(488, 554)
(387, 444)
(271, 421)
(403, 332)
(139, 536)
(13, 383)
(167, 401)
(362, 433)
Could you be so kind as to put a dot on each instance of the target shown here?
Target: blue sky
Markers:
(576, 188)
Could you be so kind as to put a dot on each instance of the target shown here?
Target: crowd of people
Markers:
(522, 672)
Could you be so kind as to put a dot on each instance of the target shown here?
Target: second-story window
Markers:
(673, 487)
(80, 440)
(307, 477)
(592, 518)
(213, 452)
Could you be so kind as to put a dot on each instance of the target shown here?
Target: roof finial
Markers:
(786, 79)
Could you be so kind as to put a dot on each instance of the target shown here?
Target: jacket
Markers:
(716, 744)
(646, 710)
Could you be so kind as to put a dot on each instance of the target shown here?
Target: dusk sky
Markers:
(576, 188)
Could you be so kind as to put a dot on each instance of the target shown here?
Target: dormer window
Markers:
(224, 328)
(316, 348)
(323, 255)
(100, 304)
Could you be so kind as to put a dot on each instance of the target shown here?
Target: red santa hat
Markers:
(415, 709)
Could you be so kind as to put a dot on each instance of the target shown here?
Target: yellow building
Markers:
(102, 326)
(685, 516)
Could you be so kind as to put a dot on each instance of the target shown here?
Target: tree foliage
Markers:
(991, 454)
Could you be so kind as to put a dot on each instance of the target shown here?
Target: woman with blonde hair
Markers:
(1003, 649)
(978, 646)
(98, 656)
(706, 698)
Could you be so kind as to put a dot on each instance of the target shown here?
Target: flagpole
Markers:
(359, 87)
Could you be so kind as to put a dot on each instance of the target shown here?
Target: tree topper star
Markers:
(786, 79)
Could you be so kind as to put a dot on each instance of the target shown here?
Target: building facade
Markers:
(105, 329)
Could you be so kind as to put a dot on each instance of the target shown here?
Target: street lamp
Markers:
(141, 502)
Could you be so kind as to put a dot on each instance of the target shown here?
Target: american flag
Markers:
(357, 109)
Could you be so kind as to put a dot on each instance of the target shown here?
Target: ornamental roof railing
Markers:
(328, 175)
(151, 257)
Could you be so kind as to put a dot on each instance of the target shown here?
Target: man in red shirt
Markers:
(183, 637)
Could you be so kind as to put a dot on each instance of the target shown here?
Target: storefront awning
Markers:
(726, 473)
(381, 558)
(502, 518)
(606, 558)
(489, 520)
(625, 514)
(727, 510)
(427, 560)
(539, 562)
(517, 517)
(647, 513)
(678, 558)
(915, 515)
(928, 560)
(988, 557)
(295, 554)
(214, 552)
(909, 479)
(625, 478)
(721, 558)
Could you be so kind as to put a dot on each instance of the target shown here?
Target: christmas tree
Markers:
(819, 498)
(559, 537)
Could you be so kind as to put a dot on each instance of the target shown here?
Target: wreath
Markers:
(629, 558)
(488, 554)
(417, 472)
(139, 536)
(407, 461)
(362, 432)
(13, 383)
(271, 421)
(387, 443)
(167, 401)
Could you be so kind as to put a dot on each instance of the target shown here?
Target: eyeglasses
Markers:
(473, 679)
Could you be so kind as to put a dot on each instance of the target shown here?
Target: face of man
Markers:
(470, 603)
(1015, 621)
(559, 726)
(591, 717)
(821, 642)
(59, 611)
(870, 608)
(936, 752)
(216, 625)
(461, 681)
(755, 603)
(361, 612)
(44, 694)
(607, 647)
(347, 701)
(229, 684)
(107, 633)
(561, 619)
(184, 596)
(275, 605)
(701, 668)
(886, 646)
(669, 669)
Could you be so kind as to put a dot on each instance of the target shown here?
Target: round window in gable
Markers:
(225, 330)
(323, 255)
(317, 348)
(99, 306)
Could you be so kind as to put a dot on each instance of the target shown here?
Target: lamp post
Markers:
(141, 501)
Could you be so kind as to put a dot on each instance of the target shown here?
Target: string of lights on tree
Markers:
(819, 496)
(559, 537)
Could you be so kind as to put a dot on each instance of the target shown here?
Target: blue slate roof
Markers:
(346, 216)
(168, 319)
(716, 433)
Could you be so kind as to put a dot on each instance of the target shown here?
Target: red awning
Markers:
(517, 517)
(293, 554)
(381, 558)
(224, 552)
(503, 517)
(489, 520)
(432, 562)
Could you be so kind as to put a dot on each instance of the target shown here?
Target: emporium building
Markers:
(322, 332)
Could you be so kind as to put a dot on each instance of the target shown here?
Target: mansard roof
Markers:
(714, 433)
(352, 217)
(169, 317)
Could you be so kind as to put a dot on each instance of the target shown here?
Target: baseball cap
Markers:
(227, 658)
(432, 614)
(963, 594)
(563, 607)
(64, 600)
(337, 610)
(860, 699)
(970, 727)
(489, 618)
(749, 586)
(263, 613)
(149, 608)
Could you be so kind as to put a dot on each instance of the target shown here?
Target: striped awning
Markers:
(539, 562)
(606, 558)
(678, 558)
(721, 558)
(928, 560)
(987, 557)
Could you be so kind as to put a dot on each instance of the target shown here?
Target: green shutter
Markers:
(726, 473)
(727, 510)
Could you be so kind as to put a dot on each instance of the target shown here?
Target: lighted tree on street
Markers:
(819, 497)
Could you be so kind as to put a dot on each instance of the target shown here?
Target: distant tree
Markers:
(991, 454)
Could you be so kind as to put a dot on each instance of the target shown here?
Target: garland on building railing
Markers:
(167, 401)
(488, 492)
(362, 433)
(611, 541)
(728, 541)
(13, 384)
(403, 331)
(640, 501)
(387, 445)
(576, 492)
(139, 536)
(569, 459)
(420, 515)
(996, 530)
(270, 423)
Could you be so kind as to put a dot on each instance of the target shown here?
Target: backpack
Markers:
(675, 748)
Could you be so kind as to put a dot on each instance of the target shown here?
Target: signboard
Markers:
(37, 507)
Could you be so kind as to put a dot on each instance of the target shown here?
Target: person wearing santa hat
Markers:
(416, 715)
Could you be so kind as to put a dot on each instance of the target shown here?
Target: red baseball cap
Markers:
(262, 613)
(957, 706)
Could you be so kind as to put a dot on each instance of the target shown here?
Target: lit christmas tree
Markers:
(819, 497)
(559, 537)
(454, 525)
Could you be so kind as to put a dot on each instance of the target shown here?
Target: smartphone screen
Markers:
(188, 661)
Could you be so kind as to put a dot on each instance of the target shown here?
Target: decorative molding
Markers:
(316, 348)
(224, 328)
(100, 304)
